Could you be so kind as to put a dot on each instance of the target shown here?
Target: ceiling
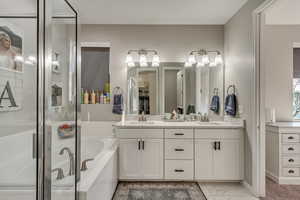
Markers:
(157, 11)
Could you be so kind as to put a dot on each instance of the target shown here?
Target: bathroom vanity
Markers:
(158, 150)
(283, 152)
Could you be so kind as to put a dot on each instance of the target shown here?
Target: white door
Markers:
(227, 160)
(204, 159)
(129, 159)
(152, 159)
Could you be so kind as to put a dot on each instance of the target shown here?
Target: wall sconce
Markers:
(143, 60)
(203, 57)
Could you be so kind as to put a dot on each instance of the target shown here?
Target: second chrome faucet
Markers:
(71, 159)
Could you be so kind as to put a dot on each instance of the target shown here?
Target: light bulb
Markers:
(129, 58)
(55, 63)
(213, 64)
(143, 61)
(192, 59)
(155, 61)
(200, 64)
(28, 62)
(187, 64)
(205, 59)
(32, 59)
(218, 59)
(130, 64)
(19, 59)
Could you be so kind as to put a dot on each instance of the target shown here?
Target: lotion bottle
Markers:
(86, 97)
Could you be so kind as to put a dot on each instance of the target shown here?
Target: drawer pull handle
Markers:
(291, 138)
(178, 134)
(291, 149)
(291, 160)
(179, 170)
(179, 149)
(291, 171)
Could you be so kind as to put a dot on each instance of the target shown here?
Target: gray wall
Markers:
(239, 71)
(172, 42)
(277, 55)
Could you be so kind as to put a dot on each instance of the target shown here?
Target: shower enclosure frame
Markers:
(42, 142)
(45, 58)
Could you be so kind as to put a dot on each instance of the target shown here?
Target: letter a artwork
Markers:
(7, 99)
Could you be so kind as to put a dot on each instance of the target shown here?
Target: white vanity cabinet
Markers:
(219, 154)
(140, 154)
(283, 152)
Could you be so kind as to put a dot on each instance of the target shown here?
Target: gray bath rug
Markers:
(158, 191)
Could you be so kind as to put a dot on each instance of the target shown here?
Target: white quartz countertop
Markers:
(285, 124)
(184, 125)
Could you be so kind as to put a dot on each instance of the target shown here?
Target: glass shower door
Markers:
(61, 111)
(18, 99)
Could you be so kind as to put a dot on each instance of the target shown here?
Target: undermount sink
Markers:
(211, 123)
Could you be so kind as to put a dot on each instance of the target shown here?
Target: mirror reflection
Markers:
(175, 87)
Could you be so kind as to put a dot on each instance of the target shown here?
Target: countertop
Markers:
(284, 124)
(183, 125)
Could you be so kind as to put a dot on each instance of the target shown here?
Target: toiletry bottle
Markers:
(86, 97)
(82, 96)
(101, 98)
(97, 97)
(104, 99)
(93, 97)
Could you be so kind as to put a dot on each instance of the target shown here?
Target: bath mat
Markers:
(158, 191)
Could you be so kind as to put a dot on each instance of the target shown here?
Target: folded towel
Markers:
(118, 104)
(231, 104)
(215, 104)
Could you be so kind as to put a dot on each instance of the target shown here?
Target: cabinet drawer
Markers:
(291, 148)
(290, 171)
(291, 161)
(218, 133)
(179, 149)
(179, 133)
(140, 133)
(179, 169)
(290, 138)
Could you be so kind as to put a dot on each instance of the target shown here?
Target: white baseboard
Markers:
(271, 176)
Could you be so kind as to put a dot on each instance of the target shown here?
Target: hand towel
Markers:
(118, 104)
(215, 104)
(231, 105)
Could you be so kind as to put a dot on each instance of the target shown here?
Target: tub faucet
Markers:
(71, 159)
(60, 173)
(83, 165)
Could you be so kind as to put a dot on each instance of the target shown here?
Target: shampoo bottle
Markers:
(93, 97)
(86, 97)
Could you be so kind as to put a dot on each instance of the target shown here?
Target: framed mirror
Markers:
(143, 90)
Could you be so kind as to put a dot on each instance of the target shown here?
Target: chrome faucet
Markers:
(142, 117)
(83, 165)
(60, 173)
(71, 159)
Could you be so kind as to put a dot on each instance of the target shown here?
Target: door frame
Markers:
(258, 171)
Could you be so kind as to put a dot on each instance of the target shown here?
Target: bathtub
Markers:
(100, 179)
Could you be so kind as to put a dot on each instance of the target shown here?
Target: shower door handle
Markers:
(34, 146)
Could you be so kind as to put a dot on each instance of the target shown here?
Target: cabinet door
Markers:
(227, 160)
(152, 159)
(204, 159)
(129, 159)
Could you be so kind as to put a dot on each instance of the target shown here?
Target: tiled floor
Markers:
(226, 191)
(281, 192)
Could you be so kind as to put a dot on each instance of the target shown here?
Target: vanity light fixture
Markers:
(55, 62)
(143, 58)
(203, 57)
(19, 59)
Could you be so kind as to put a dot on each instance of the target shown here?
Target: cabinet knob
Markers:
(290, 137)
(178, 170)
(291, 171)
(291, 160)
(178, 134)
(291, 149)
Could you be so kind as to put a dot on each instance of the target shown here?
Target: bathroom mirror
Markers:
(143, 90)
(172, 86)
